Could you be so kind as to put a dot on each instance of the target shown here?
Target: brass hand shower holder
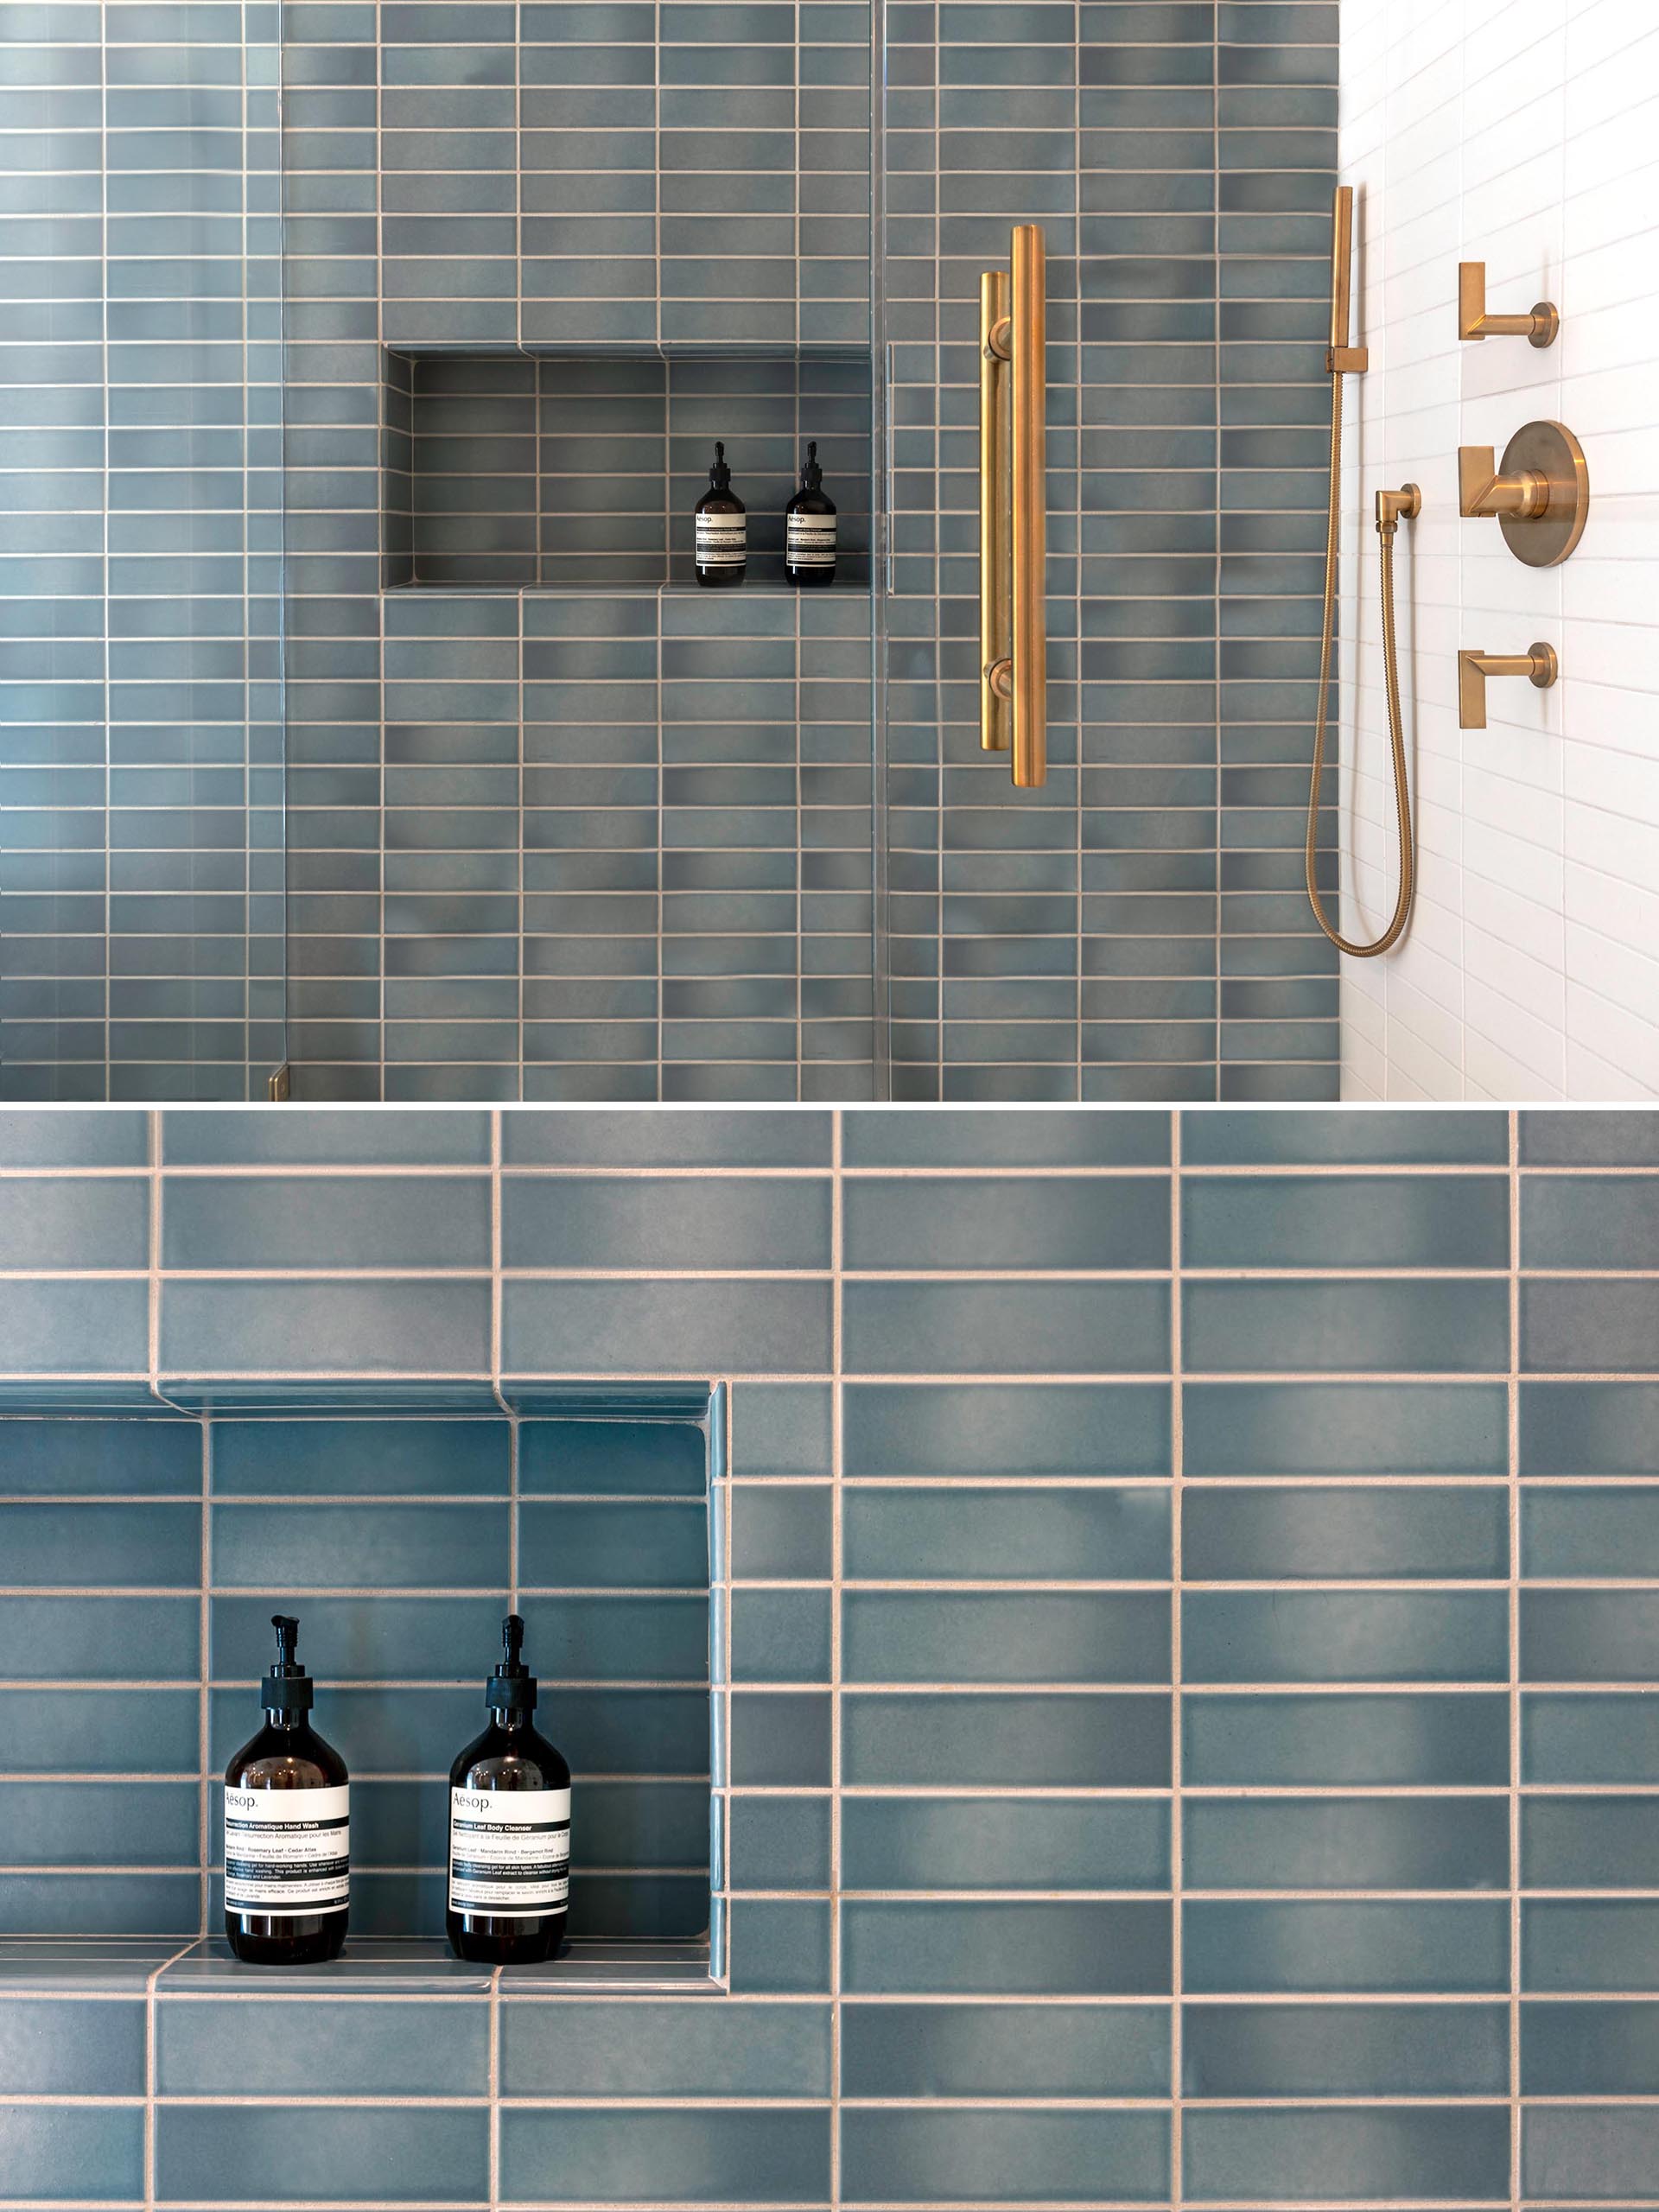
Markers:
(1013, 624)
(1343, 358)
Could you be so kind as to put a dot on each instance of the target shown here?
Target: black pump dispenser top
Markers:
(512, 1685)
(811, 474)
(287, 1688)
(720, 473)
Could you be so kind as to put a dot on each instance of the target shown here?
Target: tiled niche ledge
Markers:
(519, 470)
(160, 1522)
(115, 1966)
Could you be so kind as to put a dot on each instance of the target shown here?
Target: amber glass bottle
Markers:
(722, 529)
(509, 1827)
(286, 1827)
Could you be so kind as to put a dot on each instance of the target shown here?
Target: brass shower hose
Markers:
(1390, 506)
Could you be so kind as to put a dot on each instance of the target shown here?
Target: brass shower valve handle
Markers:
(1483, 491)
(1538, 664)
(1540, 491)
(1538, 329)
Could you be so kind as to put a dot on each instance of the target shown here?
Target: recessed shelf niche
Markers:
(512, 471)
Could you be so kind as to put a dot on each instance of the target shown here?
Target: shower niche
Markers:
(521, 471)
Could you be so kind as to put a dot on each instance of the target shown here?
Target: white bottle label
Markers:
(810, 541)
(509, 1852)
(286, 1852)
(722, 541)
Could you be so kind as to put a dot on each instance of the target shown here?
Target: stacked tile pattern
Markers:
(141, 871)
(1137, 930)
(1188, 1738)
(1530, 970)
(595, 839)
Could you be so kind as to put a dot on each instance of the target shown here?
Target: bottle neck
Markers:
(514, 1719)
(288, 1722)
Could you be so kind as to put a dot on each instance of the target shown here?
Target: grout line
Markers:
(1177, 1823)
(1513, 1445)
(837, 1568)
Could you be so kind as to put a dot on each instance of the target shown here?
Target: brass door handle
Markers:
(1538, 664)
(1013, 626)
(1538, 329)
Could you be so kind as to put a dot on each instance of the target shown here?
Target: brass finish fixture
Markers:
(277, 1085)
(1538, 664)
(1013, 630)
(993, 508)
(1391, 506)
(1538, 329)
(1541, 494)
(1339, 356)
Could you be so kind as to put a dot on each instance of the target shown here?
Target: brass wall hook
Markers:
(1538, 664)
(1540, 495)
(1538, 329)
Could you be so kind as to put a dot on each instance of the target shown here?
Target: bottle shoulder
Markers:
(286, 1758)
(810, 503)
(721, 503)
(520, 1760)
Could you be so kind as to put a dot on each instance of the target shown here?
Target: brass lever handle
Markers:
(1483, 491)
(1538, 329)
(1538, 664)
(1540, 492)
(1013, 626)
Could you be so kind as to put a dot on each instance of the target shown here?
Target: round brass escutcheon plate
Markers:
(1550, 450)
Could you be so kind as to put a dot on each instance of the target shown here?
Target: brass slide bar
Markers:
(1013, 549)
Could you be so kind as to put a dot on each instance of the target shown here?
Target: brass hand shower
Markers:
(1341, 356)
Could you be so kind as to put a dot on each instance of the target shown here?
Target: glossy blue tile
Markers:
(1423, 1946)
(782, 1532)
(780, 1946)
(656, 2050)
(1589, 1326)
(1304, 1532)
(1016, 1533)
(1590, 1636)
(128, 1544)
(1589, 1221)
(59, 1458)
(1589, 1428)
(267, 1224)
(324, 1138)
(102, 1638)
(780, 1739)
(254, 2154)
(1601, 2153)
(622, 1543)
(728, 1138)
(1570, 1944)
(1589, 2050)
(333, 1458)
(1005, 1222)
(100, 1824)
(780, 1843)
(1598, 1842)
(959, 1138)
(1580, 1531)
(1086, 1739)
(1373, 1136)
(378, 1636)
(1434, 1327)
(620, 2157)
(94, 2152)
(1574, 1737)
(1002, 1431)
(65, 1138)
(1069, 1328)
(1374, 1222)
(323, 1546)
(367, 1326)
(926, 2158)
(1358, 2154)
(970, 1843)
(71, 2046)
(666, 1224)
(65, 1222)
(657, 1458)
(1058, 1949)
(68, 1327)
(652, 1328)
(782, 1428)
(1377, 1738)
(1344, 1429)
(98, 1731)
(894, 1635)
(1003, 2050)
(1357, 1635)
(1347, 1843)
(411, 2048)
(1345, 2050)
